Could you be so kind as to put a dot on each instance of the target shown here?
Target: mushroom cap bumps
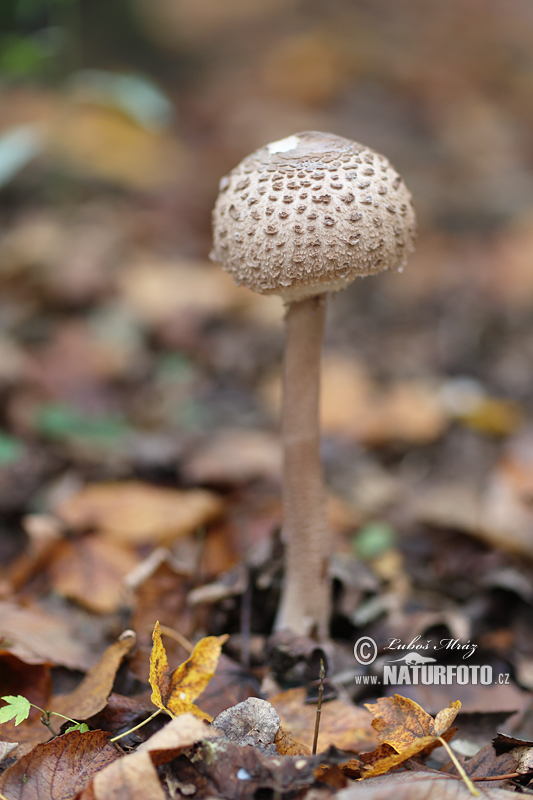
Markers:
(310, 213)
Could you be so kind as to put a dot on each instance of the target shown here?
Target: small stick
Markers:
(499, 777)
(459, 768)
(322, 675)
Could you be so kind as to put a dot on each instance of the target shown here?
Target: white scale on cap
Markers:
(283, 145)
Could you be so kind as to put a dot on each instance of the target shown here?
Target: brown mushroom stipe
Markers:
(299, 218)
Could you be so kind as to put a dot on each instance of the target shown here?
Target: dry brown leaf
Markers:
(37, 637)
(91, 695)
(135, 777)
(91, 571)
(175, 691)
(59, 769)
(404, 730)
(417, 786)
(399, 720)
(135, 513)
(6, 748)
(288, 746)
(32, 681)
(343, 725)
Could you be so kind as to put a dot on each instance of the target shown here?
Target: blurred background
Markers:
(125, 354)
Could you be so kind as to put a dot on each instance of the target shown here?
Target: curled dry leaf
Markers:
(59, 769)
(175, 691)
(288, 746)
(404, 730)
(91, 695)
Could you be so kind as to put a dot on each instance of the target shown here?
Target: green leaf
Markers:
(80, 726)
(374, 539)
(17, 708)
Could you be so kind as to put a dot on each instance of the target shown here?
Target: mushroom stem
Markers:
(305, 601)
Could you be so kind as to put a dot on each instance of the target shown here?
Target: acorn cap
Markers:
(310, 213)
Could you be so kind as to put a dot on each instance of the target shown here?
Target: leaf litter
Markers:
(131, 368)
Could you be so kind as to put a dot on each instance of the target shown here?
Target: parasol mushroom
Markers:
(300, 218)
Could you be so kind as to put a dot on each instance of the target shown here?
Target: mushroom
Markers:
(300, 218)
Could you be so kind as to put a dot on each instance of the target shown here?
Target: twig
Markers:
(499, 777)
(459, 768)
(322, 675)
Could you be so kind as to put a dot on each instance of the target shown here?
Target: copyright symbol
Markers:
(365, 650)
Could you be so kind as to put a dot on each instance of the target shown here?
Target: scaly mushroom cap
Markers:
(310, 213)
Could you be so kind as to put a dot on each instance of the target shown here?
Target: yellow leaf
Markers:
(404, 730)
(175, 691)
(158, 668)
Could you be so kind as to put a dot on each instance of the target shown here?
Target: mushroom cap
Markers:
(310, 213)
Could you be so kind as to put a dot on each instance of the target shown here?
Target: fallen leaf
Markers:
(404, 730)
(91, 572)
(59, 769)
(6, 748)
(33, 682)
(487, 764)
(175, 691)
(253, 722)
(288, 746)
(120, 714)
(417, 786)
(343, 725)
(133, 513)
(399, 720)
(37, 637)
(135, 776)
(239, 771)
(91, 695)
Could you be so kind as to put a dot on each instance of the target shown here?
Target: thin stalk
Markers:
(322, 675)
(305, 601)
(140, 725)
(459, 768)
